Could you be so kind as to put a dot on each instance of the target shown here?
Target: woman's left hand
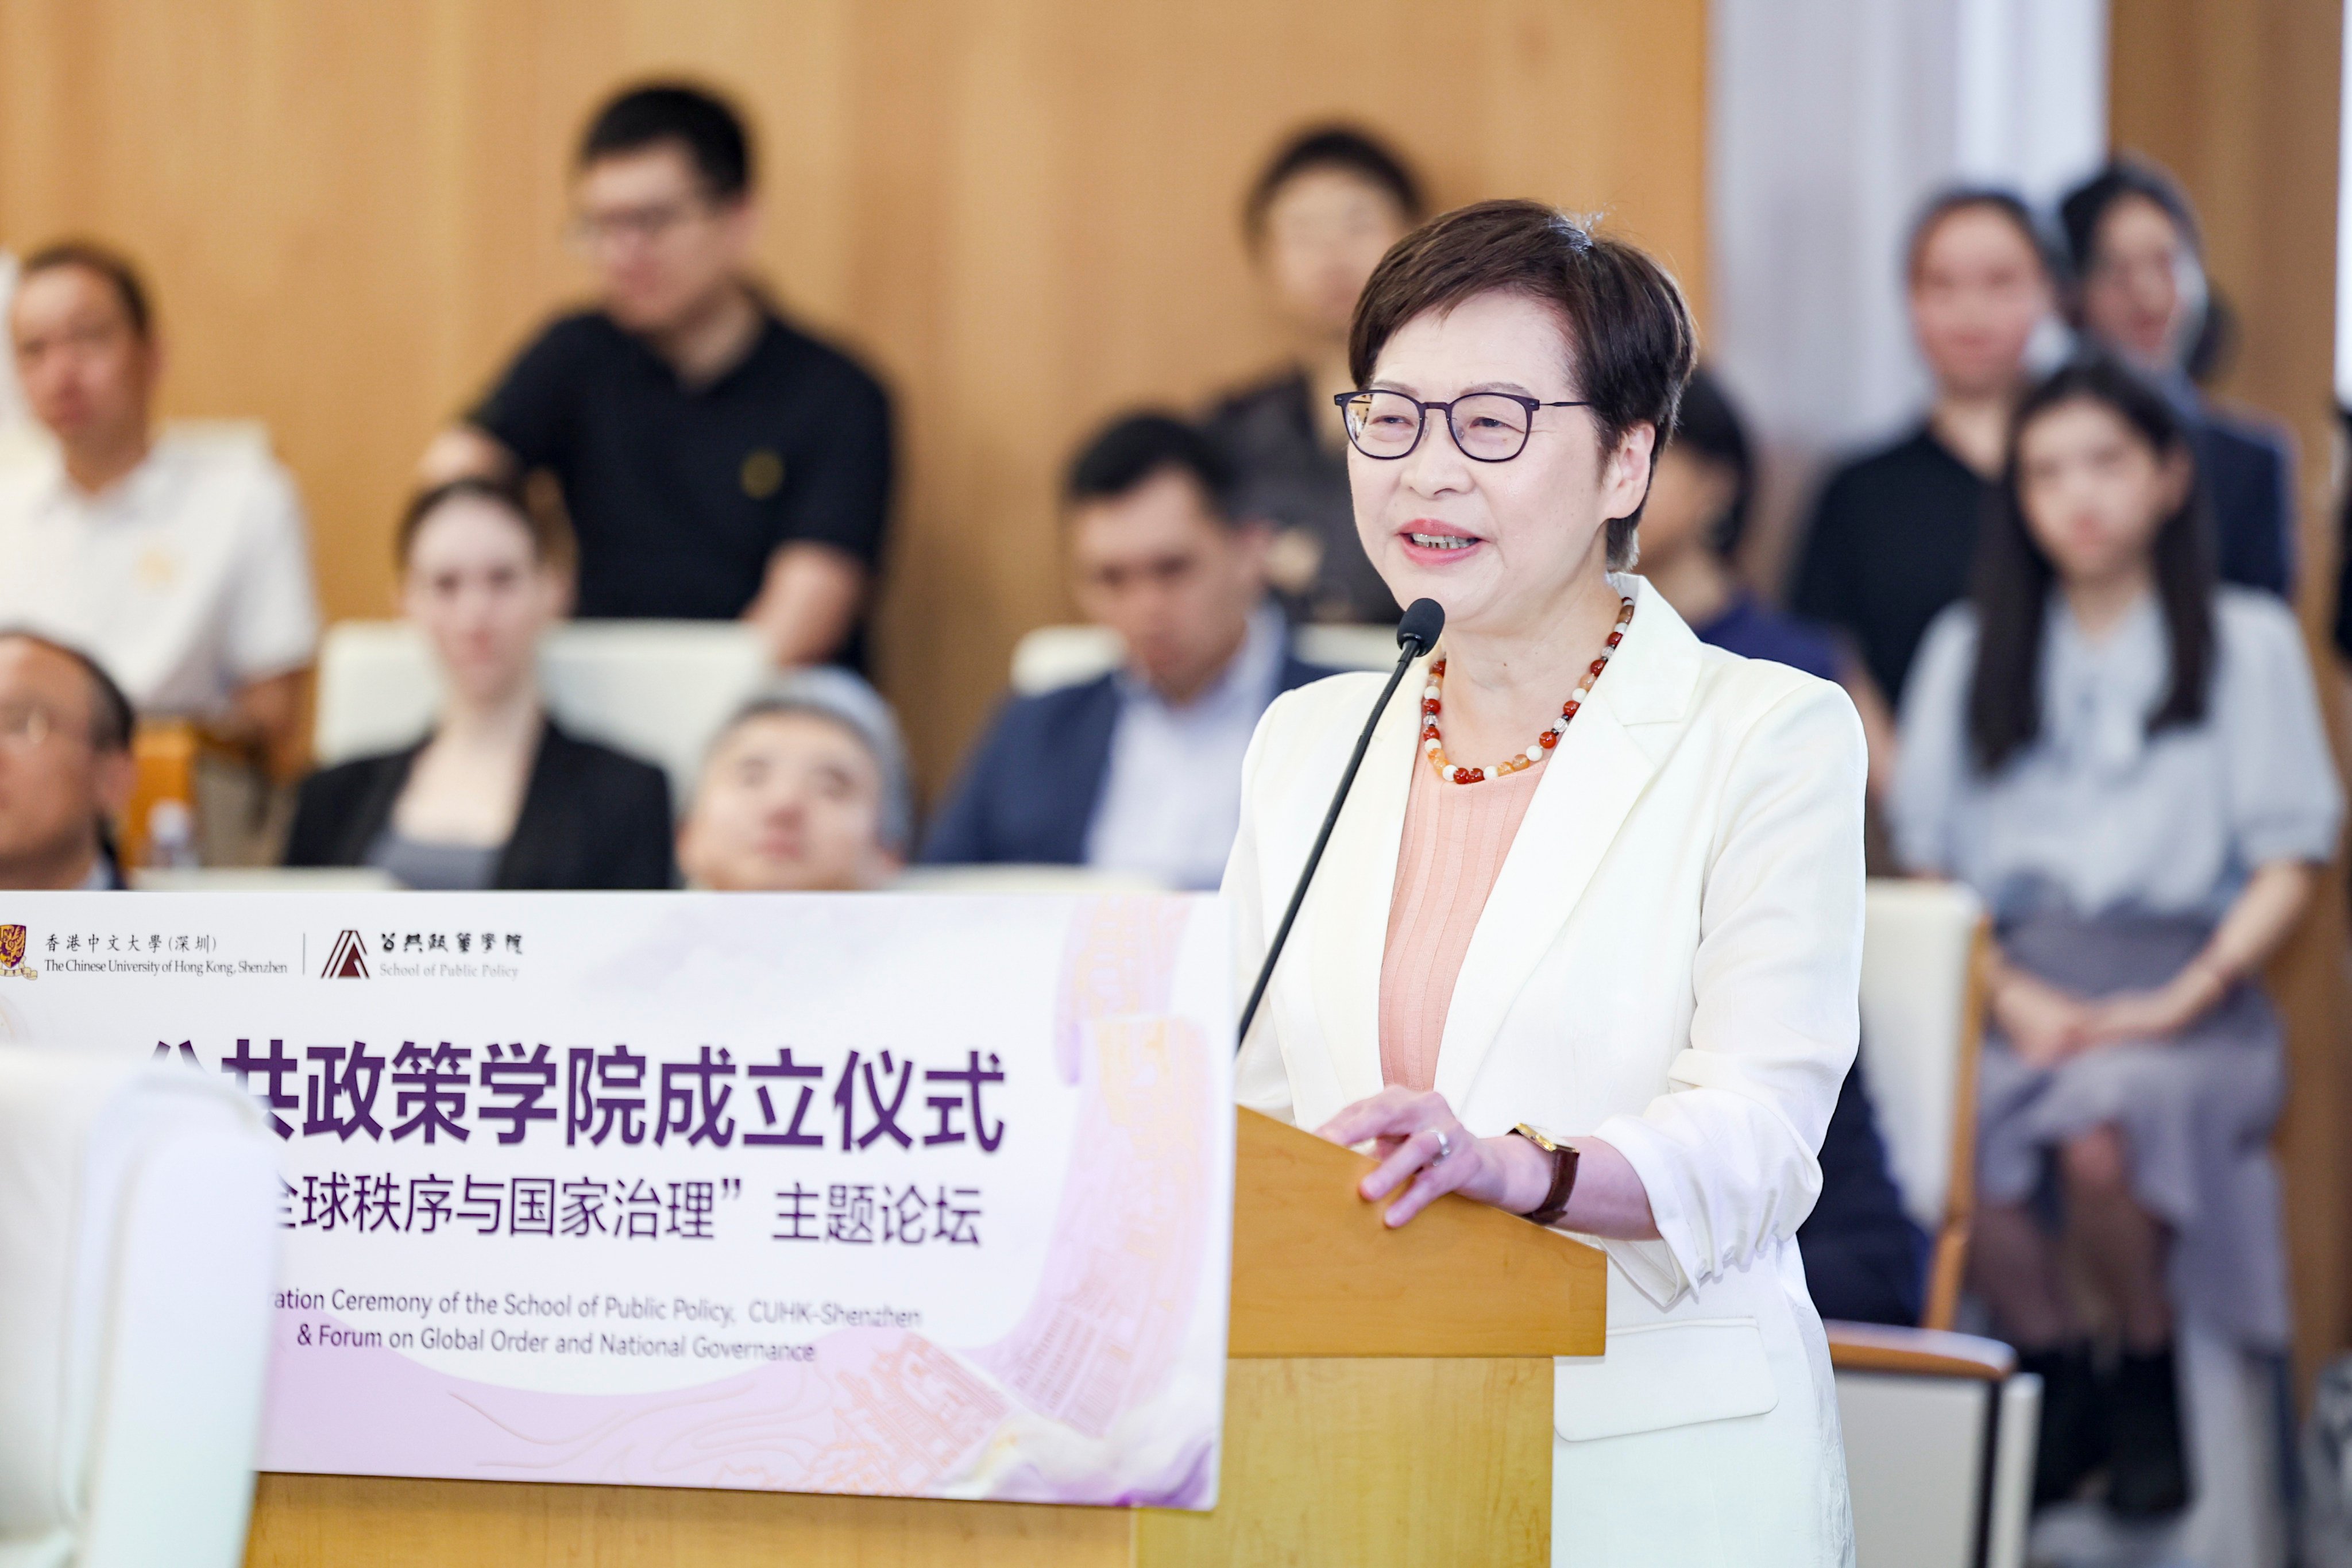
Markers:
(1418, 1138)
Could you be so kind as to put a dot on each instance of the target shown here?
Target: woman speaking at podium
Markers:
(1586, 940)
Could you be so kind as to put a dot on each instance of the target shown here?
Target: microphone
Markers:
(1416, 635)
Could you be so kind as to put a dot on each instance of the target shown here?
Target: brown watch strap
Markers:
(1563, 1182)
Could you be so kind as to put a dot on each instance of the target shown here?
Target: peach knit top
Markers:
(1456, 836)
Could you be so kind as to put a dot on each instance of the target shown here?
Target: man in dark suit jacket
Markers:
(1139, 770)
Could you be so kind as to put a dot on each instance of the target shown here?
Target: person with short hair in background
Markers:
(1139, 770)
(498, 795)
(1324, 211)
(1866, 1261)
(2140, 292)
(805, 791)
(2128, 762)
(716, 462)
(178, 560)
(1895, 530)
(65, 765)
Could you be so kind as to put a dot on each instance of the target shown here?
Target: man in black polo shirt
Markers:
(716, 462)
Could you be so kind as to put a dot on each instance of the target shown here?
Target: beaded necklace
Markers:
(1434, 748)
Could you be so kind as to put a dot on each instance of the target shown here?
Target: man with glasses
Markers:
(65, 765)
(717, 463)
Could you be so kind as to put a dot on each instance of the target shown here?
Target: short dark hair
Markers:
(1707, 424)
(1343, 147)
(1629, 330)
(2013, 577)
(1141, 445)
(705, 125)
(2001, 203)
(2087, 205)
(545, 543)
(111, 717)
(108, 264)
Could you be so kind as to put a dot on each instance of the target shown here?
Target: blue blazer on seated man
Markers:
(1139, 770)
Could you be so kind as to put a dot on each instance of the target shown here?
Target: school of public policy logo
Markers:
(347, 962)
(12, 955)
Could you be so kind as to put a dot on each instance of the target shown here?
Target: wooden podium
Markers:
(1388, 1401)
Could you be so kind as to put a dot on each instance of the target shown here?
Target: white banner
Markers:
(887, 1193)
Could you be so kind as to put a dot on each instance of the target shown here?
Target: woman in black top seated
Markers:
(496, 796)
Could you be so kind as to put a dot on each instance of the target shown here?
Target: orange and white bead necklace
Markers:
(1431, 701)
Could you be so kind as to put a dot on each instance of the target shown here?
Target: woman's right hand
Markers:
(2043, 1024)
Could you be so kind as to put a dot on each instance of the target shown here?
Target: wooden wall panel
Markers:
(2242, 99)
(1022, 212)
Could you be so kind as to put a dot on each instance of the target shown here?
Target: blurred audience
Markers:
(1319, 218)
(2128, 762)
(805, 790)
(179, 563)
(2141, 293)
(1700, 495)
(1865, 1260)
(497, 795)
(1139, 770)
(716, 461)
(1895, 530)
(65, 765)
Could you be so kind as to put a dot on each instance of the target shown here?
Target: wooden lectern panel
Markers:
(1317, 1272)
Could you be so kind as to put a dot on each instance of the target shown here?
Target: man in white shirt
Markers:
(179, 564)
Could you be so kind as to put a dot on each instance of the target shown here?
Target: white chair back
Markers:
(1921, 1020)
(656, 690)
(1052, 656)
(137, 1251)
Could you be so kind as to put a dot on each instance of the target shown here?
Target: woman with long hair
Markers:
(2128, 762)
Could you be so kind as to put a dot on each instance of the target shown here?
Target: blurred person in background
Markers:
(1895, 530)
(805, 791)
(2140, 292)
(497, 795)
(1865, 1259)
(716, 462)
(1320, 216)
(1139, 770)
(2127, 763)
(65, 765)
(178, 562)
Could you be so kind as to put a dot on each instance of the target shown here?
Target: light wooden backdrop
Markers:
(2241, 98)
(1023, 213)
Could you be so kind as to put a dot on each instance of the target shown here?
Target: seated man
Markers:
(65, 765)
(1139, 770)
(805, 791)
(181, 564)
(716, 462)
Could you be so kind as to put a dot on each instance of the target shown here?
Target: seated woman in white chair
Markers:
(498, 795)
(2127, 761)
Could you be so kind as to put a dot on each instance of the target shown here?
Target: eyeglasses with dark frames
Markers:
(1489, 427)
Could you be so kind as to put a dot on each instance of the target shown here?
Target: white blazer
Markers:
(1669, 961)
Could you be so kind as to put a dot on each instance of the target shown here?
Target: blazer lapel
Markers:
(1347, 912)
(1606, 759)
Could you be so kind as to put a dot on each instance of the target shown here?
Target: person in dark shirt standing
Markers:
(1318, 220)
(1895, 532)
(716, 462)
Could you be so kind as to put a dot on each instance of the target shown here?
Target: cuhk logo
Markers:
(348, 960)
(12, 946)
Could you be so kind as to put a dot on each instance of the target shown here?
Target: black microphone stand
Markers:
(1416, 635)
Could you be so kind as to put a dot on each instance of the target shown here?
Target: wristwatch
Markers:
(1564, 1175)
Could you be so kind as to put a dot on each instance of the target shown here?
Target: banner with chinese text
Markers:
(923, 1196)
